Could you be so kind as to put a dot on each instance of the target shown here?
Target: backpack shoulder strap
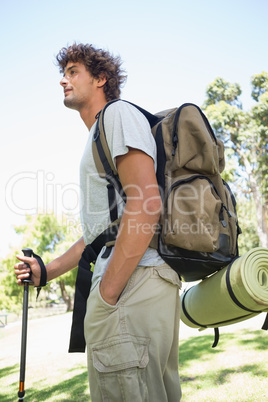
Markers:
(104, 161)
(101, 152)
(105, 165)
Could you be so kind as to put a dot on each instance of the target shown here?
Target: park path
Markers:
(48, 339)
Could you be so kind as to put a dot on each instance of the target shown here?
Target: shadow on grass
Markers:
(198, 349)
(76, 388)
(209, 379)
(4, 372)
(258, 341)
(195, 347)
(254, 369)
(198, 346)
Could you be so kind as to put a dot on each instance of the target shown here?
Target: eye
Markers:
(70, 74)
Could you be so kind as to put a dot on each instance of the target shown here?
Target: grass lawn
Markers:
(236, 370)
(52, 374)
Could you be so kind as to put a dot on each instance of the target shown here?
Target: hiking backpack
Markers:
(198, 228)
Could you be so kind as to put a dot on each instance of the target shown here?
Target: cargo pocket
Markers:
(121, 364)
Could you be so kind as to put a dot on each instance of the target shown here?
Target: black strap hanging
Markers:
(83, 284)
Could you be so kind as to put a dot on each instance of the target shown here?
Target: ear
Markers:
(101, 81)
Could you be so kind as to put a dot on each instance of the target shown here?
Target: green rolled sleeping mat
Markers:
(236, 293)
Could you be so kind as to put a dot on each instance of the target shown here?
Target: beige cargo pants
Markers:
(133, 346)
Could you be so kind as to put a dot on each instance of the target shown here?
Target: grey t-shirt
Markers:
(125, 127)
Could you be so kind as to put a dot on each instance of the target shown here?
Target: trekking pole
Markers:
(26, 282)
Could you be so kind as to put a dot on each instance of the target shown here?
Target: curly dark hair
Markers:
(98, 62)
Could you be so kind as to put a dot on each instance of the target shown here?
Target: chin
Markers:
(70, 104)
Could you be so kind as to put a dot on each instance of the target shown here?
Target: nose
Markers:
(63, 81)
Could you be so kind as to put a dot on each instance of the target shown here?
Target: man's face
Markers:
(78, 85)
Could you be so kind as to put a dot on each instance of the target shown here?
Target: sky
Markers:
(170, 49)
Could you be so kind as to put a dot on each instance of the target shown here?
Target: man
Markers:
(132, 319)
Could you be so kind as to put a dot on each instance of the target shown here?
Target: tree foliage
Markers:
(259, 85)
(221, 90)
(245, 135)
(49, 237)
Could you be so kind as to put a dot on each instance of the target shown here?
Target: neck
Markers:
(88, 113)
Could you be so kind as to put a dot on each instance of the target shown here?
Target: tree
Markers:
(49, 237)
(221, 90)
(245, 134)
(259, 85)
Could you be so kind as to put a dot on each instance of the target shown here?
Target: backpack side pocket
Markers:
(192, 215)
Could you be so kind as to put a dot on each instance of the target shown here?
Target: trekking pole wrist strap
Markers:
(43, 278)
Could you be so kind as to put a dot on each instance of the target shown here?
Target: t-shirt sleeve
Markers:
(125, 126)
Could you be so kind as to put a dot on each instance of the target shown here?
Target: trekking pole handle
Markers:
(28, 252)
